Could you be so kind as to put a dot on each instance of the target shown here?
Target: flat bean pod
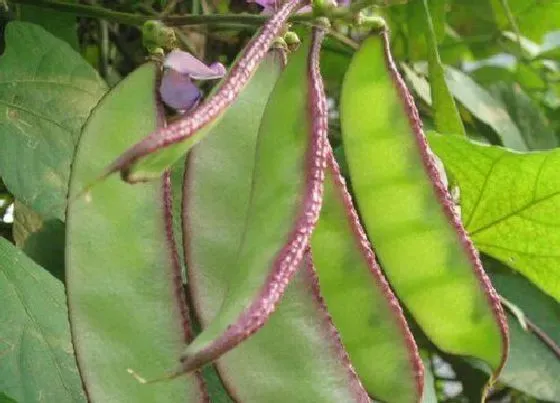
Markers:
(408, 213)
(364, 309)
(127, 309)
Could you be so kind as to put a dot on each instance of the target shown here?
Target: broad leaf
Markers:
(531, 367)
(37, 361)
(285, 360)
(364, 310)
(409, 216)
(507, 199)
(62, 25)
(124, 283)
(46, 93)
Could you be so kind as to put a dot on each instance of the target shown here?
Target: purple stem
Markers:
(167, 205)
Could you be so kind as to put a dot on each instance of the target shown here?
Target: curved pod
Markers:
(127, 310)
(363, 308)
(408, 213)
(150, 157)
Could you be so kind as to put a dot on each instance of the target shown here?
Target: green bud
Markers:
(323, 7)
(291, 38)
(375, 22)
(279, 43)
(322, 22)
(155, 35)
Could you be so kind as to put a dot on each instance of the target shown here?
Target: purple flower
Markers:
(177, 89)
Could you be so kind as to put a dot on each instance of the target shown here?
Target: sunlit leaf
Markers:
(509, 204)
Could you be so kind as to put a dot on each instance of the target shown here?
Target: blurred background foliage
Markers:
(501, 62)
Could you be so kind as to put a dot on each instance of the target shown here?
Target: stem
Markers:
(189, 19)
(87, 11)
(103, 48)
(513, 25)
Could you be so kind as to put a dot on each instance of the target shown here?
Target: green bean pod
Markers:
(408, 213)
(363, 308)
(127, 310)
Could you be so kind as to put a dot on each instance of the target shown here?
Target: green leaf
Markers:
(46, 93)
(408, 215)
(364, 310)
(550, 49)
(446, 115)
(527, 115)
(507, 199)
(429, 395)
(534, 17)
(6, 399)
(124, 283)
(533, 365)
(36, 357)
(62, 25)
(42, 241)
(285, 360)
(484, 107)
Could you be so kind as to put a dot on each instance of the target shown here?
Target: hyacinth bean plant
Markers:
(221, 244)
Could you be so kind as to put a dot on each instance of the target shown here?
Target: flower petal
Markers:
(185, 63)
(178, 91)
